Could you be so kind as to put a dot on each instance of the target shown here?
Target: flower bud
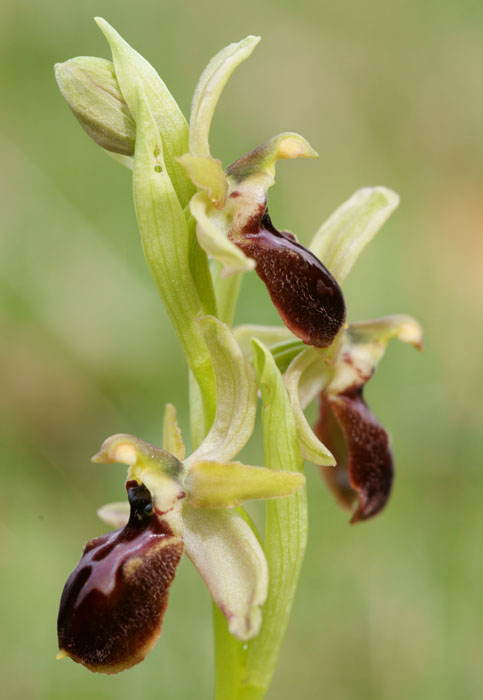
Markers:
(90, 88)
(113, 603)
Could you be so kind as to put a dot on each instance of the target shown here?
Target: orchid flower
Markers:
(114, 601)
(233, 223)
(348, 443)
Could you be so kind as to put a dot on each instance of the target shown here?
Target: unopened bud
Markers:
(90, 88)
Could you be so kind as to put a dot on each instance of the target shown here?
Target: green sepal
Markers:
(226, 552)
(342, 238)
(305, 377)
(212, 228)
(134, 72)
(236, 396)
(209, 88)
(90, 88)
(213, 484)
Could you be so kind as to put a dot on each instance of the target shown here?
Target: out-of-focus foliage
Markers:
(388, 93)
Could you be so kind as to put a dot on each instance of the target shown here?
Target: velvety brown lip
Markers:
(364, 459)
(307, 297)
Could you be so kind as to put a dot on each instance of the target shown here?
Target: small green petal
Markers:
(209, 88)
(251, 176)
(342, 238)
(217, 485)
(212, 229)
(364, 344)
(306, 376)
(133, 72)
(230, 559)
(207, 173)
(267, 335)
(90, 88)
(236, 394)
(172, 437)
(115, 514)
(260, 163)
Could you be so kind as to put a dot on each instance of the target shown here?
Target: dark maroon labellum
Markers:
(113, 603)
(361, 448)
(307, 297)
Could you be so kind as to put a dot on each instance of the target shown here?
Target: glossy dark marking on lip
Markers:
(307, 297)
(113, 603)
(366, 457)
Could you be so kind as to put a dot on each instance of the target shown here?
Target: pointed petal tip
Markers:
(410, 331)
(295, 146)
(117, 448)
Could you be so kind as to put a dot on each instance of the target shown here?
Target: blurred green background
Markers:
(388, 93)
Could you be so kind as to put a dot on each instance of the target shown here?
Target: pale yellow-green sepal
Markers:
(236, 395)
(342, 238)
(172, 436)
(212, 230)
(114, 514)
(305, 377)
(207, 174)
(209, 88)
(217, 485)
(230, 559)
(134, 72)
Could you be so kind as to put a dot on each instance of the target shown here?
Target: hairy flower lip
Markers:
(305, 294)
(364, 454)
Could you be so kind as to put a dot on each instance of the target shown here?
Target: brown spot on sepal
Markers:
(362, 450)
(307, 297)
(113, 603)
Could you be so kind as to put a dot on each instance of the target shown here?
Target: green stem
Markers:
(227, 290)
(230, 659)
(285, 528)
